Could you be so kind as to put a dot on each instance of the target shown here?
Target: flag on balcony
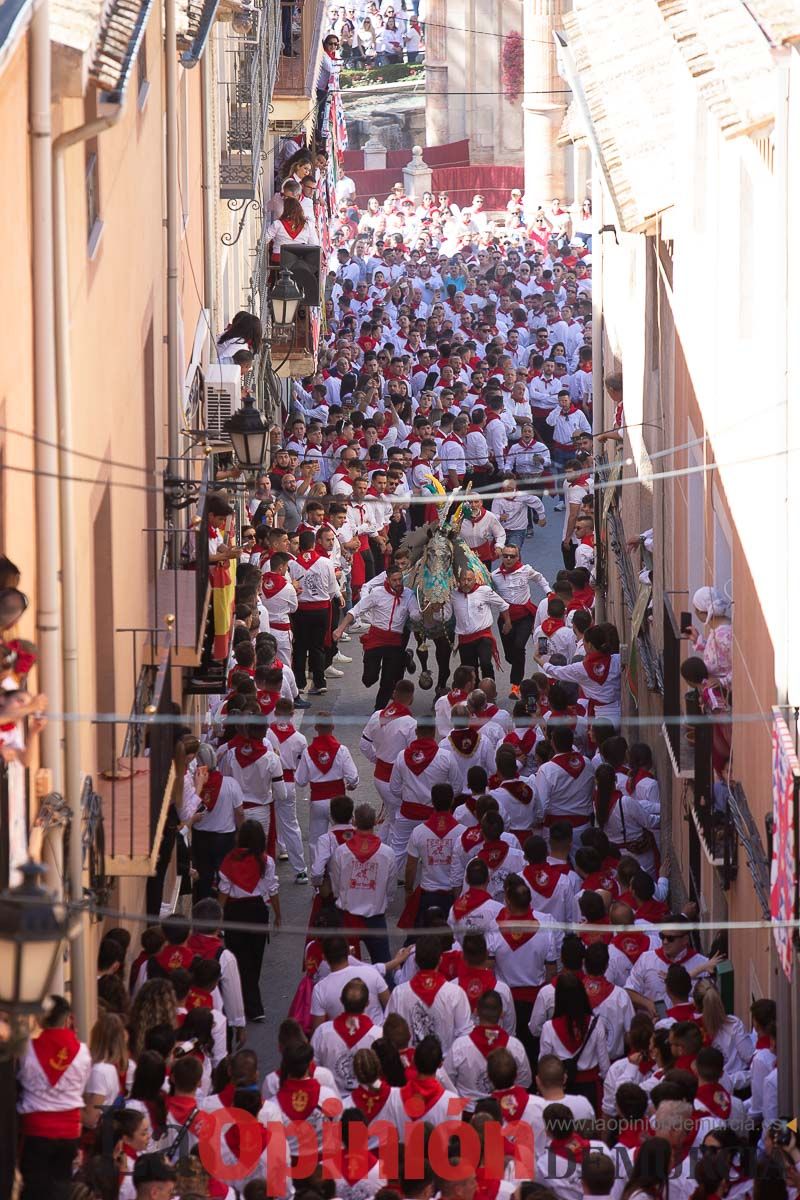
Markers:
(338, 124)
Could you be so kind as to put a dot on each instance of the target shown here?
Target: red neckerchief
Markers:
(307, 558)
(396, 598)
(198, 998)
(471, 837)
(551, 625)
(597, 665)
(174, 958)
(273, 582)
(425, 1089)
(363, 845)
(426, 985)
(322, 751)
(588, 540)
(567, 1036)
(764, 1042)
(572, 1148)
(55, 1049)
(631, 1138)
(542, 878)
(512, 1101)
(504, 570)
(291, 228)
(487, 1038)
(351, 1028)
(588, 938)
(211, 790)
(682, 1012)
(247, 750)
(468, 800)
(683, 957)
(205, 945)
(684, 1062)
(597, 988)
(471, 899)
(632, 780)
(514, 938)
(464, 741)
(519, 789)
(475, 981)
(457, 696)
(652, 910)
(283, 730)
(420, 754)
(583, 597)
(356, 1167)
(573, 763)
(180, 1108)
(266, 702)
(298, 1098)
(129, 1152)
(494, 853)
(243, 868)
(441, 823)
(370, 1100)
(392, 710)
(632, 945)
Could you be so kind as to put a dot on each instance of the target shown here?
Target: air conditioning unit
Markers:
(285, 127)
(223, 398)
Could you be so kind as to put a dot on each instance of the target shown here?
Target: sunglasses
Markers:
(672, 937)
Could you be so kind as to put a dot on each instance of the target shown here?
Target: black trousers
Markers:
(208, 851)
(46, 1167)
(443, 648)
(377, 942)
(523, 1010)
(155, 884)
(248, 948)
(310, 634)
(514, 644)
(386, 663)
(478, 655)
(569, 556)
(336, 613)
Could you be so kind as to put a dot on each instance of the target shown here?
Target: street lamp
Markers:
(32, 939)
(248, 432)
(284, 299)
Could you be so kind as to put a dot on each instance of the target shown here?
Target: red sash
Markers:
(426, 985)
(475, 981)
(55, 1049)
(351, 1028)
(487, 1038)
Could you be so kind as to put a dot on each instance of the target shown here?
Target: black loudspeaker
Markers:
(304, 263)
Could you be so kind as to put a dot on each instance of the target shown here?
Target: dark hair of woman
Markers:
(651, 1168)
(572, 1003)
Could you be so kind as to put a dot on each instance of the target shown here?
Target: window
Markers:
(91, 150)
(142, 81)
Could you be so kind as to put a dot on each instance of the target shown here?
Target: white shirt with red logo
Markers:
(565, 785)
(327, 771)
(433, 844)
(256, 768)
(279, 598)
(336, 1042)
(289, 745)
(52, 1075)
(432, 1004)
(465, 1062)
(363, 875)
(386, 734)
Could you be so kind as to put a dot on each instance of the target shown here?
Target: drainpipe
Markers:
(209, 249)
(82, 1003)
(598, 393)
(171, 170)
(48, 619)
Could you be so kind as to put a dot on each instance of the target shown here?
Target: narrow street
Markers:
(352, 707)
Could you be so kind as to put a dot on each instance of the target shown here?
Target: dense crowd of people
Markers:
(457, 360)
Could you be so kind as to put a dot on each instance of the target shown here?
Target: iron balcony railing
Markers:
(248, 69)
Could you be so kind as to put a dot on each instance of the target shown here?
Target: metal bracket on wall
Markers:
(228, 239)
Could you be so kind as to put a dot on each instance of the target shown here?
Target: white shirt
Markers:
(434, 854)
(334, 1046)
(409, 788)
(527, 458)
(384, 737)
(363, 888)
(448, 1016)
(606, 695)
(326, 997)
(579, 1106)
(260, 779)
(221, 818)
(511, 510)
(593, 1054)
(279, 601)
(647, 973)
(560, 641)
(317, 583)
(38, 1094)
(342, 770)
(465, 1063)
(486, 530)
(385, 610)
(452, 455)
(617, 1013)
(564, 425)
(475, 612)
(560, 793)
(482, 918)
(266, 886)
(523, 965)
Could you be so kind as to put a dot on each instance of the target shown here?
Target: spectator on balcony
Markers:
(715, 643)
(390, 42)
(293, 228)
(328, 75)
(367, 42)
(243, 333)
(414, 40)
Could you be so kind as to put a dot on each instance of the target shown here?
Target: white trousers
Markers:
(402, 828)
(319, 818)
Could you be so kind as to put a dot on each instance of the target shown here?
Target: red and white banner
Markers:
(783, 880)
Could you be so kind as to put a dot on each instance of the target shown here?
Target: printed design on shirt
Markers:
(299, 1101)
(323, 758)
(59, 1062)
(365, 876)
(422, 1022)
(343, 1069)
(439, 852)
